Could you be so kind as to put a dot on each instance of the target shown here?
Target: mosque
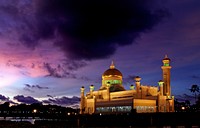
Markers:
(112, 97)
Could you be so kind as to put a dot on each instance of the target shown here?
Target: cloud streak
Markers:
(58, 71)
(32, 88)
(63, 101)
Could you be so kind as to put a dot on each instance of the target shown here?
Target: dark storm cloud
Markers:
(17, 19)
(26, 100)
(89, 29)
(63, 100)
(94, 28)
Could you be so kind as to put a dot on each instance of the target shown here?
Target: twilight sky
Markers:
(50, 48)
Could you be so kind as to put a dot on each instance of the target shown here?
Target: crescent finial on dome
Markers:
(112, 66)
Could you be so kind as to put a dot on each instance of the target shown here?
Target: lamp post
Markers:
(34, 113)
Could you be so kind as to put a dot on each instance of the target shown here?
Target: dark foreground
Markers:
(119, 120)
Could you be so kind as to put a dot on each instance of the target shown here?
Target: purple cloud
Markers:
(108, 24)
(6, 99)
(3, 98)
(26, 100)
(58, 72)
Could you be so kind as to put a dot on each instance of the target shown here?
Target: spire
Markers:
(166, 59)
(112, 66)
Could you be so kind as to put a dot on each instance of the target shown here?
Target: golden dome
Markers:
(112, 71)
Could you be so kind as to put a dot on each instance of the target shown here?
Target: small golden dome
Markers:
(166, 58)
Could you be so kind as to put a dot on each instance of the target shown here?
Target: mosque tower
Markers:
(82, 106)
(166, 76)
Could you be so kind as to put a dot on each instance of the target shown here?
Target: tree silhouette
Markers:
(187, 102)
(194, 88)
(198, 102)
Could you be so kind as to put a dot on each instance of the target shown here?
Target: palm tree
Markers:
(194, 89)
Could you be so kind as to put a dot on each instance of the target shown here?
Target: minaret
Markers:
(137, 83)
(82, 100)
(166, 76)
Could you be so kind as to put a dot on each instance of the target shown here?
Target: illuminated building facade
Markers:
(113, 98)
